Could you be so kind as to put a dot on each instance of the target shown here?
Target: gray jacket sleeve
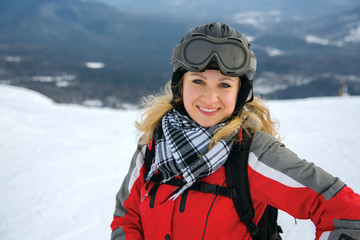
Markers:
(315, 193)
(290, 169)
(123, 216)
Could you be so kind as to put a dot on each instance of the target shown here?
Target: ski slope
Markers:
(61, 165)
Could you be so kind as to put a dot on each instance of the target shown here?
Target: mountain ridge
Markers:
(58, 39)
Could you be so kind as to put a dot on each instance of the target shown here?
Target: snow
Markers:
(60, 80)
(274, 52)
(15, 59)
(317, 40)
(354, 35)
(61, 165)
(95, 65)
(257, 19)
(312, 39)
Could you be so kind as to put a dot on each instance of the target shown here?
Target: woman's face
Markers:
(209, 97)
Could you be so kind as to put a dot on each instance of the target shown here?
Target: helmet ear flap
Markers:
(176, 86)
(242, 99)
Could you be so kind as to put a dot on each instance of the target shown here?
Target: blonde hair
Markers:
(254, 117)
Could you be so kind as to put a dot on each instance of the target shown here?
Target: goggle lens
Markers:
(199, 51)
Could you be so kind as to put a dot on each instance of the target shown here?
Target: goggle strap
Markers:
(175, 53)
(253, 63)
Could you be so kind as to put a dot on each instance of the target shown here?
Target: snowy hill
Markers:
(61, 165)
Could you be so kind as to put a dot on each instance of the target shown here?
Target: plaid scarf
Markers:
(183, 150)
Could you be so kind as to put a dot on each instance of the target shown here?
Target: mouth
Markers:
(208, 111)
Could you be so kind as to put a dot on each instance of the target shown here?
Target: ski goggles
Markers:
(232, 56)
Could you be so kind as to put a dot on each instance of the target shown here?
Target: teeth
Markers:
(208, 110)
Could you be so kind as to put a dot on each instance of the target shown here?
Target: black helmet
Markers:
(214, 46)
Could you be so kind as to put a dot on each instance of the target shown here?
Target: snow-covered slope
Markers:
(61, 165)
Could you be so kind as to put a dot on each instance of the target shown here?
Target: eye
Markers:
(198, 81)
(225, 85)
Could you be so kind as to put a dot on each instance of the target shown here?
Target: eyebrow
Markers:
(226, 78)
(198, 74)
(220, 79)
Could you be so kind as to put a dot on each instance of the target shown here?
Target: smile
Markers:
(209, 110)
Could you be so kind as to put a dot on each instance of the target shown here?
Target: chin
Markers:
(208, 124)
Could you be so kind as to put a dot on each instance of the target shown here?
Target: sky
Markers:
(62, 165)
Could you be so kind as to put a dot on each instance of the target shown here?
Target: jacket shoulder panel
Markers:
(271, 158)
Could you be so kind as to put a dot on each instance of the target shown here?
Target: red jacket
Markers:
(276, 177)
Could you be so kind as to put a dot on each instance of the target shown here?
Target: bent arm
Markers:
(280, 178)
(127, 222)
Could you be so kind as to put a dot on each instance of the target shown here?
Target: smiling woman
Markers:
(208, 143)
(209, 97)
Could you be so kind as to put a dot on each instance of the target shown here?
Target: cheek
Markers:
(230, 100)
(189, 96)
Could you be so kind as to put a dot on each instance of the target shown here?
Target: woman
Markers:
(193, 126)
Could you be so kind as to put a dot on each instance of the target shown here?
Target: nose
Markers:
(210, 95)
